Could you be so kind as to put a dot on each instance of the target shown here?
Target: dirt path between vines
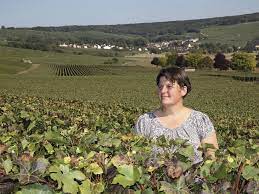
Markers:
(33, 67)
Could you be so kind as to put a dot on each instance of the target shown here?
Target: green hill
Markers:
(237, 35)
(232, 30)
(11, 59)
(152, 30)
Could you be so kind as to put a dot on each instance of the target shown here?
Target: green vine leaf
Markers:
(48, 147)
(35, 189)
(66, 177)
(85, 187)
(95, 168)
(251, 172)
(128, 176)
(8, 165)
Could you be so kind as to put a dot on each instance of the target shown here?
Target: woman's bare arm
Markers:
(212, 139)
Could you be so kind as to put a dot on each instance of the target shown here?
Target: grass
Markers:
(11, 59)
(231, 104)
(237, 35)
(133, 84)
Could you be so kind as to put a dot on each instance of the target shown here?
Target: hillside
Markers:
(230, 30)
(156, 29)
(238, 34)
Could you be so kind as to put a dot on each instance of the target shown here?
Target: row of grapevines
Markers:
(50, 146)
(79, 70)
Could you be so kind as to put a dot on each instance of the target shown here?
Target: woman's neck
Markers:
(172, 110)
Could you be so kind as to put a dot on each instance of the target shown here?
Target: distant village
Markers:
(179, 45)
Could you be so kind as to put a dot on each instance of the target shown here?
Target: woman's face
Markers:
(170, 93)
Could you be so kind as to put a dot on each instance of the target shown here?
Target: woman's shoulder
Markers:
(203, 123)
(144, 123)
(147, 116)
(198, 115)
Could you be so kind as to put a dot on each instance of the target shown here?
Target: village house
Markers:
(107, 47)
(63, 45)
(179, 45)
(97, 46)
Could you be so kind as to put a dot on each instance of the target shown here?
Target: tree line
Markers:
(47, 41)
(158, 31)
(240, 61)
(152, 32)
(128, 35)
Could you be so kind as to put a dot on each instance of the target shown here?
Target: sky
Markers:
(30, 13)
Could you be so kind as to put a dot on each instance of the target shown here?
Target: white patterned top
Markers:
(195, 128)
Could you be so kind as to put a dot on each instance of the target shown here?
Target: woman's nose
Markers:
(163, 89)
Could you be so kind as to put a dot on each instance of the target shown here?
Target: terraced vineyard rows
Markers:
(85, 70)
(73, 70)
(62, 146)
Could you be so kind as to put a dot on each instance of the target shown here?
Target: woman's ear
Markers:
(184, 90)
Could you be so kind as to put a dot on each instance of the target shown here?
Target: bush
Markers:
(206, 63)
(154, 50)
(155, 61)
(162, 61)
(181, 61)
(194, 59)
(221, 62)
(115, 60)
(171, 59)
(257, 60)
(243, 61)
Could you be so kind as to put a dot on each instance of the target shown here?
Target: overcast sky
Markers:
(28, 13)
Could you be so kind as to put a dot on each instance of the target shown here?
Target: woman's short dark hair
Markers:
(175, 74)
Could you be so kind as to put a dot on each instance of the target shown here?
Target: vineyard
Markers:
(50, 146)
(86, 70)
(77, 70)
(70, 129)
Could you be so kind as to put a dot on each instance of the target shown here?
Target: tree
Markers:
(115, 60)
(140, 42)
(171, 58)
(206, 63)
(250, 45)
(2, 27)
(209, 47)
(220, 62)
(243, 61)
(155, 61)
(194, 59)
(154, 50)
(180, 61)
(257, 60)
(162, 61)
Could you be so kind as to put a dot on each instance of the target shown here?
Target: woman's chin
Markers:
(166, 103)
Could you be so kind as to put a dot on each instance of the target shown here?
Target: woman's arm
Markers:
(211, 139)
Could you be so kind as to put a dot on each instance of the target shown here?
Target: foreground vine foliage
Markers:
(49, 146)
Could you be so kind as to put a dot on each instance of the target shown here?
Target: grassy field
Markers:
(11, 59)
(233, 35)
(68, 125)
(132, 83)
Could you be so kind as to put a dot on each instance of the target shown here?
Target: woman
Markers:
(173, 119)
